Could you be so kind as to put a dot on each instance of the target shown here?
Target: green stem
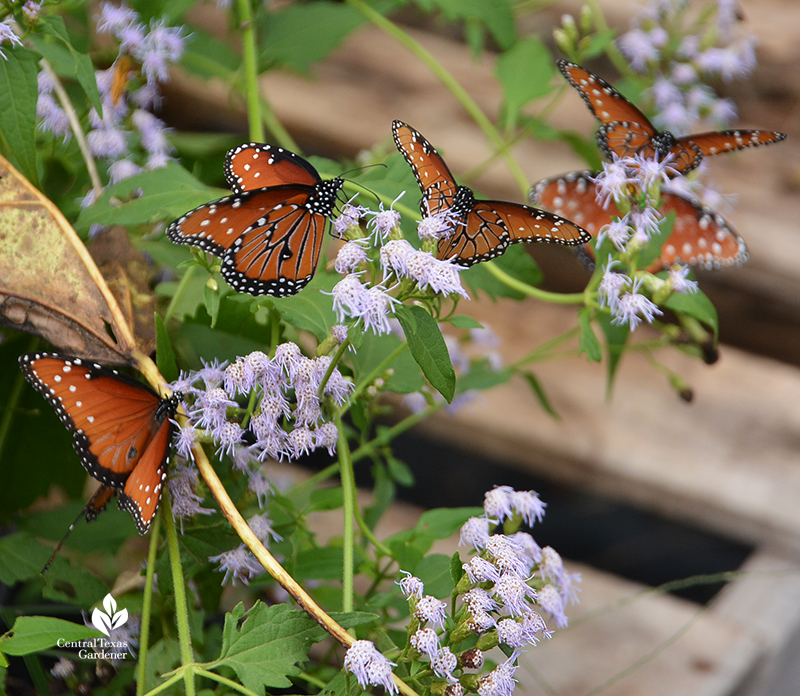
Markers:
(165, 685)
(367, 532)
(540, 352)
(384, 437)
(275, 127)
(147, 601)
(11, 406)
(182, 285)
(349, 491)
(554, 297)
(181, 606)
(224, 680)
(250, 60)
(611, 50)
(334, 362)
(449, 82)
(372, 376)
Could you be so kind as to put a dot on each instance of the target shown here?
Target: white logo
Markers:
(111, 619)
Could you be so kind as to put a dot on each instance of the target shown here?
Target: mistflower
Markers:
(552, 566)
(613, 182)
(162, 46)
(475, 532)
(508, 556)
(261, 526)
(260, 485)
(113, 18)
(730, 62)
(350, 256)
(369, 667)
(498, 503)
(123, 169)
(182, 485)
(633, 307)
(237, 564)
(339, 332)
(63, 668)
(644, 222)
(471, 659)
(425, 641)
(301, 441)
(481, 621)
(348, 221)
(395, 256)
(651, 171)
(514, 594)
(640, 48)
(437, 226)
(500, 681)
(510, 632)
(529, 546)
(617, 231)
(152, 132)
(7, 34)
(376, 308)
(480, 570)
(327, 436)
(529, 506)
(349, 297)
(411, 586)
(385, 221)
(532, 625)
(212, 406)
(611, 286)
(107, 143)
(228, 434)
(678, 280)
(552, 601)
(432, 611)
(443, 277)
(287, 356)
(478, 599)
(444, 663)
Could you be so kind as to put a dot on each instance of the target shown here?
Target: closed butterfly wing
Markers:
(700, 237)
(433, 176)
(117, 422)
(714, 142)
(256, 165)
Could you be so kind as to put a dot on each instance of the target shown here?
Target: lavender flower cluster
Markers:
(127, 113)
(667, 43)
(504, 584)
(406, 271)
(284, 415)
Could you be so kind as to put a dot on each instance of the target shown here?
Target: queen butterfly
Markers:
(700, 237)
(627, 131)
(269, 232)
(121, 429)
(483, 229)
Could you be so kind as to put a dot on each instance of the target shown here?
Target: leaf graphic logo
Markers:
(111, 619)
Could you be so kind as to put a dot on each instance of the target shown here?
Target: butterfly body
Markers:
(269, 232)
(625, 131)
(482, 229)
(121, 429)
(700, 237)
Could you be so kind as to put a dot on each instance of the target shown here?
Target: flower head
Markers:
(369, 667)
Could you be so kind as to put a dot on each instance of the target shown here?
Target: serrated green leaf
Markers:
(165, 193)
(165, 355)
(525, 71)
(54, 44)
(19, 92)
(34, 633)
(428, 348)
(265, 645)
(588, 343)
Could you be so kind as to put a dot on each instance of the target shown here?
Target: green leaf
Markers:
(442, 523)
(652, 250)
(302, 34)
(165, 355)
(405, 377)
(525, 72)
(592, 46)
(616, 338)
(496, 15)
(326, 563)
(434, 571)
(325, 499)
(588, 343)
(311, 309)
(165, 193)
(482, 376)
(540, 394)
(696, 305)
(31, 634)
(208, 57)
(265, 645)
(55, 45)
(462, 321)
(21, 558)
(211, 301)
(427, 345)
(19, 92)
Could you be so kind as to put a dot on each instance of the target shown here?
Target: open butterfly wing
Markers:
(699, 236)
(714, 142)
(255, 166)
(111, 415)
(142, 491)
(605, 102)
(478, 236)
(527, 224)
(625, 139)
(278, 254)
(433, 176)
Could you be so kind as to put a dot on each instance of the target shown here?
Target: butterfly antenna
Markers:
(63, 539)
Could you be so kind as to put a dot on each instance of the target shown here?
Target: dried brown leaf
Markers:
(49, 285)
